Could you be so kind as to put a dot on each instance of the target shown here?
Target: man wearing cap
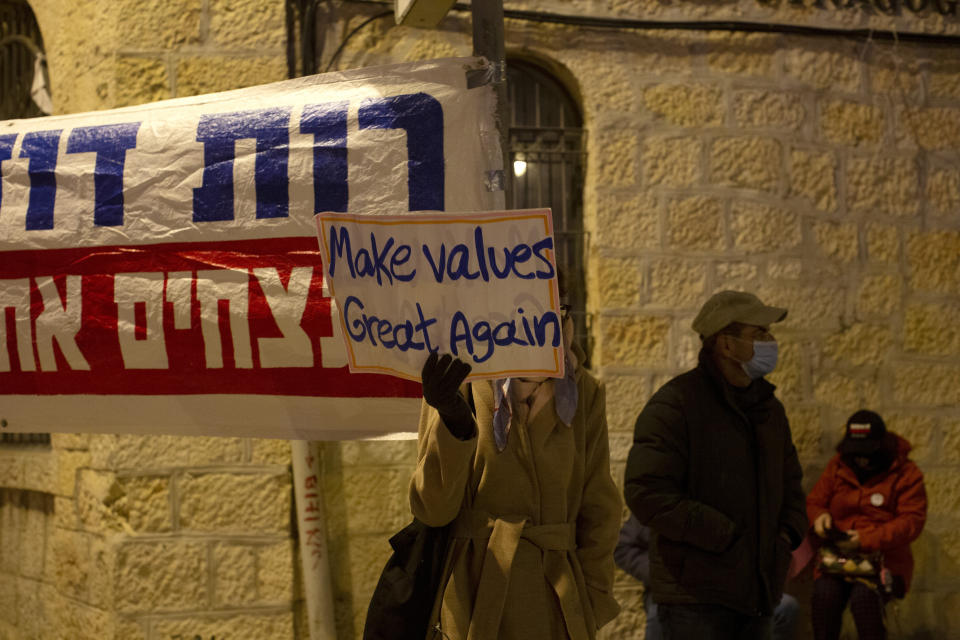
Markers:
(713, 472)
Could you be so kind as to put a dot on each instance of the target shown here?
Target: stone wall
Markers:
(820, 173)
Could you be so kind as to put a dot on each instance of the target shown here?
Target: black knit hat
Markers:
(866, 434)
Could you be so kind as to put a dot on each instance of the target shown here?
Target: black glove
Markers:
(441, 377)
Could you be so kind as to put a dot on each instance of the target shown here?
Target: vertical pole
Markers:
(312, 531)
(488, 42)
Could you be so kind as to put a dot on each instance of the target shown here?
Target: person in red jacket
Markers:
(870, 498)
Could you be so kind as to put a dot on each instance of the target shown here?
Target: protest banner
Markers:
(481, 286)
(159, 265)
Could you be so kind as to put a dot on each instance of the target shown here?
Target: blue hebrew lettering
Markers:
(328, 124)
(110, 143)
(421, 116)
(218, 133)
(6, 149)
(41, 148)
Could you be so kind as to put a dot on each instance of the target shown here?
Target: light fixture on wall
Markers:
(519, 167)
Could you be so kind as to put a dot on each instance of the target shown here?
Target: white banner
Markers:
(481, 286)
(159, 266)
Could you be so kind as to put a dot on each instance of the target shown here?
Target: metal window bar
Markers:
(545, 133)
(20, 44)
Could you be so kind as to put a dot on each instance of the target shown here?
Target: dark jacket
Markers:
(714, 473)
(633, 550)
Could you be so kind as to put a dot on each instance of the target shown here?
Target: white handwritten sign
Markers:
(481, 286)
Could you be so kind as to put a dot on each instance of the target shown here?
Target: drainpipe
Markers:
(312, 532)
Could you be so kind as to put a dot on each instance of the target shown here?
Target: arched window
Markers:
(23, 69)
(546, 162)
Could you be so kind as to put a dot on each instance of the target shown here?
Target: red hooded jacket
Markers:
(888, 512)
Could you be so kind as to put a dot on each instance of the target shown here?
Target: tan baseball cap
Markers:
(734, 306)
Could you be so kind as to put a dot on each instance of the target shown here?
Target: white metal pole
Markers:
(314, 553)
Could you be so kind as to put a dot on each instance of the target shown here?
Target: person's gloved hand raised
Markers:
(441, 378)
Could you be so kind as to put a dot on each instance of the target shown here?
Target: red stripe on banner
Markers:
(141, 327)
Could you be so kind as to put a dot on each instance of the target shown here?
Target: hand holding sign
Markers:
(442, 377)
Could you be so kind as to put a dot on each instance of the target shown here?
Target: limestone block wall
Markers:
(820, 173)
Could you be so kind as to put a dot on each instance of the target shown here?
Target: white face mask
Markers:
(764, 359)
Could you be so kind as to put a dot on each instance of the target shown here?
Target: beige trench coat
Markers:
(535, 525)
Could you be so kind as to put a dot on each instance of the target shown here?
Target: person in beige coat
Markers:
(535, 512)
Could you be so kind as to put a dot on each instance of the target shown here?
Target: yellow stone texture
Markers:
(70, 440)
(633, 341)
(879, 294)
(161, 452)
(944, 80)
(692, 105)
(248, 24)
(401, 453)
(837, 390)
(860, 344)
(748, 162)
(129, 630)
(695, 224)
(934, 260)
(235, 502)
(950, 448)
(235, 575)
(145, 503)
(626, 395)
(934, 128)
(609, 82)
(932, 329)
(671, 162)
(210, 74)
(806, 430)
(620, 443)
(268, 625)
(943, 492)
(752, 54)
(78, 621)
(616, 155)
(837, 240)
(811, 306)
(761, 229)
(275, 575)
(943, 192)
(852, 123)
(918, 430)
(430, 45)
(167, 25)
(628, 222)
(161, 575)
(833, 70)
(370, 499)
(100, 503)
(903, 82)
(268, 451)
(70, 562)
(619, 282)
(735, 275)
(926, 385)
(68, 462)
(677, 284)
(883, 185)
(788, 269)
(813, 175)
(764, 108)
(789, 374)
(141, 80)
(883, 243)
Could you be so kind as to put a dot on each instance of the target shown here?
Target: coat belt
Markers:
(503, 536)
